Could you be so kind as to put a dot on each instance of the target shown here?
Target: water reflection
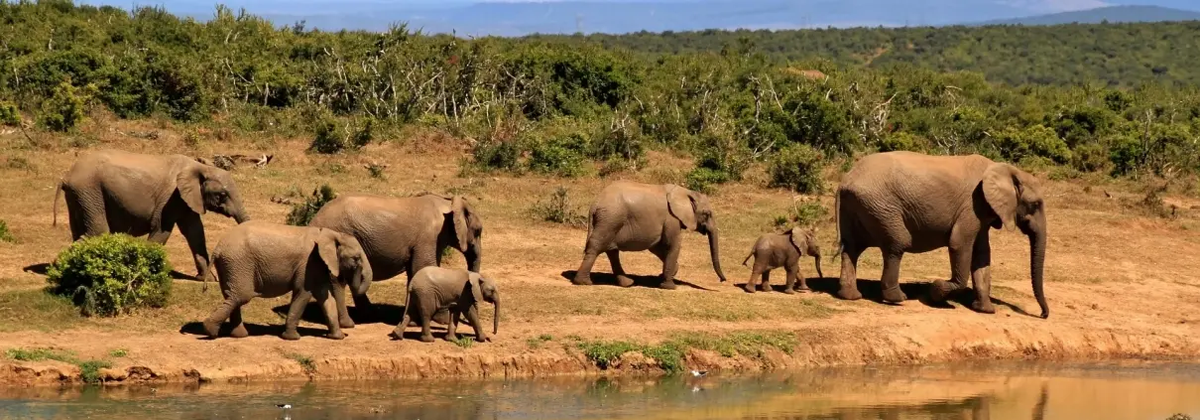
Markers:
(979, 392)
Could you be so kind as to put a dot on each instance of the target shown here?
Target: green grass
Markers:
(536, 342)
(116, 353)
(305, 362)
(5, 235)
(670, 353)
(89, 370)
(464, 341)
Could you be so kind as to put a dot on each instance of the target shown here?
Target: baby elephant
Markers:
(774, 250)
(435, 288)
(263, 259)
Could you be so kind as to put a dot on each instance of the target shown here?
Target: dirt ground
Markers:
(1121, 282)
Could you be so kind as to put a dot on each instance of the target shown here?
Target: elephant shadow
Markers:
(44, 268)
(380, 313)
(253, 330)
(651, 282)
(873, 290)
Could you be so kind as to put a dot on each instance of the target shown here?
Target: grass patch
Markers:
(558, 209)
(305, 362)
(536, 342)
(5, 235)
(464, 341)
(37, 310)
(118, 353)
(669, 354)
(89, 370)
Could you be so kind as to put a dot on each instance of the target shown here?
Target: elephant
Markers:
(910, 202)
(264, 259)
(434, 289)
(632, 216)
(113, 191)
(403, 234)
(776, 250)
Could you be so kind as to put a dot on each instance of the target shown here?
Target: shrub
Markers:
(64, 110)
(9, 115)
(364, 135)
(5, 235)
(562, 156)
(799, 168)
(702, 179)
(303, 212)
(1125, 153)
(808, 212)
(1091, 157)
(558, 209)
(112, 274)
(327, 140)
(1037, 140)
(496, 155)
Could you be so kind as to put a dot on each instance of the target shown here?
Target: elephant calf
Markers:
(776, 250)
(434, 288)
(263, 259)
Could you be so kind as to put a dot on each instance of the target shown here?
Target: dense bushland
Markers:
(577, 106)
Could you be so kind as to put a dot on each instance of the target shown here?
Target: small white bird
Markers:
(698, 373)
(284, 406)
(696, 388)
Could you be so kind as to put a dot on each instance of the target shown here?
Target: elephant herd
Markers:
(899, 202)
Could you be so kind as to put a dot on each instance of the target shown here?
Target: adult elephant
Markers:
(113, 191)
(403, 234)
(631, 216)
(910, 202)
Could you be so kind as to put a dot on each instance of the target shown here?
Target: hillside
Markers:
(1112, 14)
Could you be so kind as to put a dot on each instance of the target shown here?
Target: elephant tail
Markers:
(57, 193)
(751, 254)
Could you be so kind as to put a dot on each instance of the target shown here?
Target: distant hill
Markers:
(1112, 14)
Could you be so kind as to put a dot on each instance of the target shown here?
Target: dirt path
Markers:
(1120, 285)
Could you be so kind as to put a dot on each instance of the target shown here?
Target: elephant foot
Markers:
(397, 334)
(239, 332)
(983, 306)
(582, 281)
(336, 335)
(624, 281)
(483, 338)
(346, 324)
(290, 335)
(212, 329)
(749, 288)
(789, 291)
(849, 294)
(450, 337)
(764, 287)
(894, 295)
(427, 338)
(940, 290)
(668, 285)
(802, 288)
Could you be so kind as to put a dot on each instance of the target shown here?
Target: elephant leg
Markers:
(848, 284)
(160, 234)
(670, 259)
(239, 326)
(790, 284)
(800, 282)
(398, 332)
(473, 318)
(212, 324)
(981, 274)
(339, 299)
(757, 272)
(299, 301)
(193, 231)
(426, 317)
(614, 259)
(452, 326)
(891, 278)
(583, 276)
(366, 310)
(765, 284)
(960, 269)
(329, 307)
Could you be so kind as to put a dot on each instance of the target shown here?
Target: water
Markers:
(1095, 392)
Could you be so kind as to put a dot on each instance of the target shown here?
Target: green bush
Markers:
(561, 156)
(5, 235)
(1091, 157)
(1126, 154)
(1033, 141)
(327, 140)
(65, 109)
(9, 115)
(364, 134)
(703, 179)
(799, 168)
(303, 212)
(808, 212)
(558, 209)
(111, 274)
(496, 155)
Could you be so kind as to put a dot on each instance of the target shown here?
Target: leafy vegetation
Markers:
(670, 353)
(305, 362)
(805, 213)
(5, 235)
(303, 212)
(1114, 98)
(111, 274)
(558, 209)
(89, 370)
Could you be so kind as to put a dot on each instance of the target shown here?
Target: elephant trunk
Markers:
(714, 248)
(365, 276)
(496, 314)
(474, 256)
(817, 262)
(239, 215)
(1037, 259)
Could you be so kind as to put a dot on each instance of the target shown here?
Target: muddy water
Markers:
(1100, 391)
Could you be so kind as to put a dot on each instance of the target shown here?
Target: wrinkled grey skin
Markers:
(774, 250)
(404, 235)
(263, 259)
(909, 202)
(435, 289)
(631, 216)
(112, 191)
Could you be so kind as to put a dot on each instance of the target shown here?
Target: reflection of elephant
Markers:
(262, 259)
(629, 216)
(403, 234)
(909, 202)
(460, 291)
(112, 191)
(776, 250)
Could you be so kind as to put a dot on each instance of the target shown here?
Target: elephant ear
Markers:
(798, 239)
(326, 247)
(1000, 192)
(679, 202)
(190, 184)
(466, 222)
(476, 290)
